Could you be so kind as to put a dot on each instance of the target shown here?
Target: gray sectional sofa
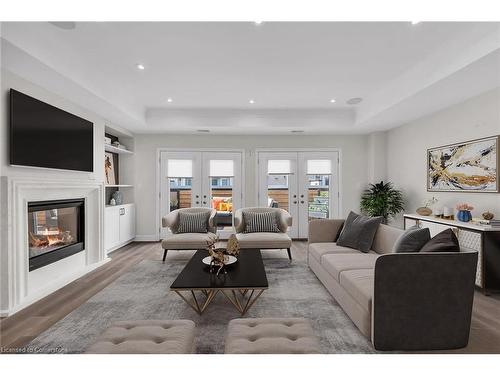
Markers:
(406, 301)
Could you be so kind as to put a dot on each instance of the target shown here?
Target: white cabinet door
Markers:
(111, 227)
(127, 223)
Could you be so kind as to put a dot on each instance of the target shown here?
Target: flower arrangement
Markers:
(430, 201)
(464, 207)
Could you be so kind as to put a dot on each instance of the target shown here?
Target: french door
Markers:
(202, 179)
(304, 183)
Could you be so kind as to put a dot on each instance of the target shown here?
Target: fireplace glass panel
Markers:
(52, 229)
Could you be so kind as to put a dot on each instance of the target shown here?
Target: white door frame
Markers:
(337, 212)
(159, 150)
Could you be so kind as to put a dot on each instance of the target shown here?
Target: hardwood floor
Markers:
(22, 327)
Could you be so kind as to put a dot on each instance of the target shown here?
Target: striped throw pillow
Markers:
(193, 222)
(260, 222)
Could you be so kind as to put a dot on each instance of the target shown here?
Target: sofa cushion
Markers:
(359, 284)
(317, 250)
(412, 240)
(264, 240)
(188, 241)
(335, 264)
(445, 241)
(385, 238)
(358, 231)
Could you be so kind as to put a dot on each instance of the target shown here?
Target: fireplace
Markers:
(56, 230)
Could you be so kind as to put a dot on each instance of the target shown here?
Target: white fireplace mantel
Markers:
(19, 286)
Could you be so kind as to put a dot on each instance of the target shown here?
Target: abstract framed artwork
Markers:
(463, 167)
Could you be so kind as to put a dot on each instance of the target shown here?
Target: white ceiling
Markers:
(291, 70)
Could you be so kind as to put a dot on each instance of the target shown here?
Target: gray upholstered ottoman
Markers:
(146, 337)
(271, 336)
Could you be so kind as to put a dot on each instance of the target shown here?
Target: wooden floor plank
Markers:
(22, 327)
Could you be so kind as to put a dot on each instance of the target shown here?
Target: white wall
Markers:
(407, 150)
(8, 81)
(354, 166)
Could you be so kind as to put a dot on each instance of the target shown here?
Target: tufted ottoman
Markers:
(271, 336)
(146, 337)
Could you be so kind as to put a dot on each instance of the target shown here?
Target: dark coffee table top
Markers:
(247, 273)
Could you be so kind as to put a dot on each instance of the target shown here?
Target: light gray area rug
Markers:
(143, 293)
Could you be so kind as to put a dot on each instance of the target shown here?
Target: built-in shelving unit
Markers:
(119, 220)
(117, 150)
(119, 186)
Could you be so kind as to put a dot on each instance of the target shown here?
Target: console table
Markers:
(482, 238)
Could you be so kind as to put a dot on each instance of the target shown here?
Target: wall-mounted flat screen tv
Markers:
(42, 135)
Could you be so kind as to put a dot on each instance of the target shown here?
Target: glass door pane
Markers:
(222, 176)
(318, 197)
(278, 184)
(278, 191)
(180, 182)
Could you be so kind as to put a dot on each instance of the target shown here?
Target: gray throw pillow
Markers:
(260, 222)
(193, 222)
(412, 240)
(445, 241)
(358, 232)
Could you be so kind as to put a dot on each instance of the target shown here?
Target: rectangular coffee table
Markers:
(242, 284)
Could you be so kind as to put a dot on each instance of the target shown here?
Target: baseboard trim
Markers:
(52, 288)
(146, 238)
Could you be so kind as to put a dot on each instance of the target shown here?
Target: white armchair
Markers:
(264, 240)
(188, 241)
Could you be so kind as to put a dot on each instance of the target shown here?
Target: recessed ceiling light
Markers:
(64, 25)
(257, 22)
(251, 101)
(354, 101)
(170, 100)
(140, 67)
(332, 100)
(415, 22)
(203, 130)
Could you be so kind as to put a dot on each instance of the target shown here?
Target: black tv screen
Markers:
(42, 135)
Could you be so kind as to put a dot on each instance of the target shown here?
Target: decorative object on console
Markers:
(447, 213)
(425, 210)
(464, 212)
(382, 200)
(118, 197)
(487, 215)
(466, 166)
(358, 232)
(112, 202)
(109, 169)
(445, 241)
(438, 212)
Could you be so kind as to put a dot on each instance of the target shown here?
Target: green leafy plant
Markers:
(382, 200)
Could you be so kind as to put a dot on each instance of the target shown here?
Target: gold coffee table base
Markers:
(241, 299)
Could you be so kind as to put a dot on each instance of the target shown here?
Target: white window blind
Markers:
(179, 168)
(319, 167)
(278, 167)
(221, 168)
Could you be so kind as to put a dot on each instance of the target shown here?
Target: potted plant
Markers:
(382, 200)
(464, 210)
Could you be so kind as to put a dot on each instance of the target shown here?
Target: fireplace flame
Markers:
(52, 237)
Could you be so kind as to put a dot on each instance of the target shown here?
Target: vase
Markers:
(464, 215)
